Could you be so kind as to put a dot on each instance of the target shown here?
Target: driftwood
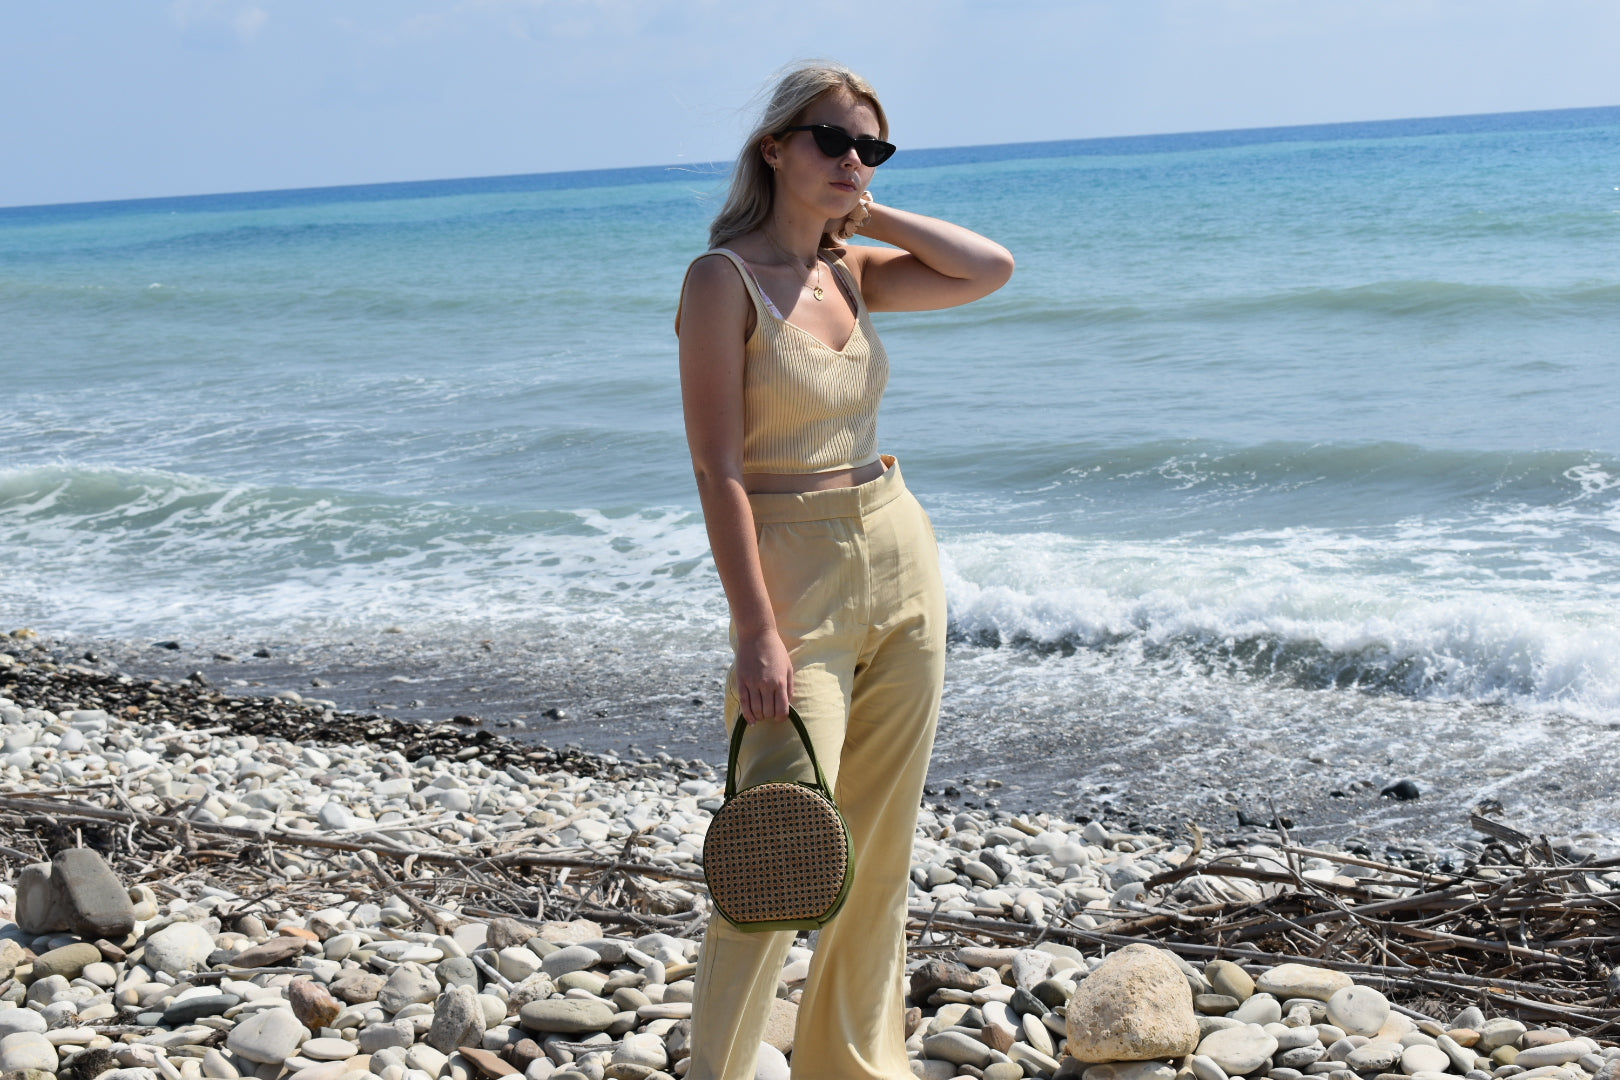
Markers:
(1525, 933)
(1528, 936)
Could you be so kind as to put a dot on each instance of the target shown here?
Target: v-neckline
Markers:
(771, 309)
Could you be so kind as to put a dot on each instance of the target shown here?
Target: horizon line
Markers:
(907, 159)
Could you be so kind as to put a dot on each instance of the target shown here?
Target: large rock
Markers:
(1136, 1006)
(179, 947)
(1302, 981)
(269, 1036)
(98, 903)
(458, 1020)
(566, 1016)
(42, 905)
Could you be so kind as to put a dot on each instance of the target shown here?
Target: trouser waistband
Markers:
(850, 502)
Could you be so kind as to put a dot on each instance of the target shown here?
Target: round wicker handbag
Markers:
(777, 855)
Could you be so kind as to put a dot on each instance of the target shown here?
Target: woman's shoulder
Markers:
(716, 268)
(713, 287)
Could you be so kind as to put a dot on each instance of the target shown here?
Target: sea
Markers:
(1286, 467)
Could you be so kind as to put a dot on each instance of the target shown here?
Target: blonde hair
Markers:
(748, 202)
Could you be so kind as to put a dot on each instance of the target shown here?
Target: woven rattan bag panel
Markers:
(774, 853)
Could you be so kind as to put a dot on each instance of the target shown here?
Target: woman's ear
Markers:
(771, 152)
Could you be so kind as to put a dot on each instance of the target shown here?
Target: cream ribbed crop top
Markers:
(808, 407)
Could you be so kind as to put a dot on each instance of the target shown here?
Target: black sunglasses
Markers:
(835, 143)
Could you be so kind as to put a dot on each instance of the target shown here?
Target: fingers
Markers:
(765, 702)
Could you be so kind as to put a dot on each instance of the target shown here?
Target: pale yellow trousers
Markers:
(853, 576)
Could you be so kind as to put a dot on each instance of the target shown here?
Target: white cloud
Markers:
(211, 16)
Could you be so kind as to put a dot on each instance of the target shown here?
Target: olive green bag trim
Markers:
(819, 787)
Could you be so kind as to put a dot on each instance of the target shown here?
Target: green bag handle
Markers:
(742, 725)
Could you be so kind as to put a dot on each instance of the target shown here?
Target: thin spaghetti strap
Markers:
(846, 281)
(754, 286)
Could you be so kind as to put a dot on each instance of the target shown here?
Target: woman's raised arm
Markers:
(938, 264)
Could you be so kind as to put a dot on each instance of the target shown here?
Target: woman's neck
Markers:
(798, 236)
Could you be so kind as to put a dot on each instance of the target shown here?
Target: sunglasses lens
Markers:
(873, 152)
(831, 141)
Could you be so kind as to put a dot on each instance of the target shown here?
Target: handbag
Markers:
(777, 855)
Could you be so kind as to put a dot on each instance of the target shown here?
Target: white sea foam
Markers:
(1415, 617)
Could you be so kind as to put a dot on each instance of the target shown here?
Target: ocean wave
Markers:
(1513, 604)
(141, 552)
(1408, 614)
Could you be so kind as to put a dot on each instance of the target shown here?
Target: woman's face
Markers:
(828, 186)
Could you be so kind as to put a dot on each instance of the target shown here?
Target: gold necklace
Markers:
(814, 291)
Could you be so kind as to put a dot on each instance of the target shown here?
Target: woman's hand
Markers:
(764, 676)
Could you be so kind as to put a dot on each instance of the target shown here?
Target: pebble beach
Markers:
(199, 885)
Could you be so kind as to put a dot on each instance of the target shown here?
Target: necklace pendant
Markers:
(817, 293)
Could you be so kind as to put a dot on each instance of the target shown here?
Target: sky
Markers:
(117, 99)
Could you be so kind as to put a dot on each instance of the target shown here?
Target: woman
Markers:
(828, 563)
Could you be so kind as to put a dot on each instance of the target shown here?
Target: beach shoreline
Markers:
(1133, 767)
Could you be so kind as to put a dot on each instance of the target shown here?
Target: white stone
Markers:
(771, 1064)
(1375, 1056)
(1558, 1053)
(517, 963)
(27, 1050)
(424, 1057)
(1302, 981)
(15, 1020)
(269, 1036)
(642, 1050)
(179, 947)
(1359, 1010)
(328, 1049)
(1421, 1058)
(1498, 1032)
(1205, 1068)
(1238, 1050)
(1259, 1009)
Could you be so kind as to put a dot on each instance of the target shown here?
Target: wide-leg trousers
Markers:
(853, 576)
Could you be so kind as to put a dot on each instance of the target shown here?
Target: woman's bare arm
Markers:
(715, 310)
(938, 264)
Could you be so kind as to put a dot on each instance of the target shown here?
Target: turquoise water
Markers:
(1324, 410)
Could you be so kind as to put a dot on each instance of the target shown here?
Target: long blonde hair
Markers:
(748, 202)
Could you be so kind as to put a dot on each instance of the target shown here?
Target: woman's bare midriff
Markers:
(798, 483)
